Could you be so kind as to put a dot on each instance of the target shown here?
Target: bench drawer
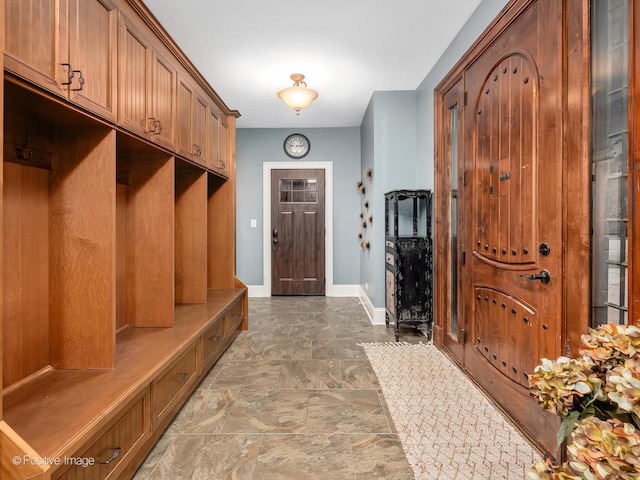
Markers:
(169, 386)
(211, 339)
(112, 449)
(233, 318)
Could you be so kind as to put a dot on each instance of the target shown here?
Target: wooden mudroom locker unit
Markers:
(118, 245)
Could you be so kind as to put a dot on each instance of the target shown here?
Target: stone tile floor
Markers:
(293, 398)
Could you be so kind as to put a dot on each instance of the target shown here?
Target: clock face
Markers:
(296, 145)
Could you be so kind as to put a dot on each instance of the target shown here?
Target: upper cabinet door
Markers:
(191, 123)
(35, 56)
(223, 140)
(133, 80)
(146, 86)
(199, 133)
(184, 117)
(213, 138)
(92, 56)
(162, 100)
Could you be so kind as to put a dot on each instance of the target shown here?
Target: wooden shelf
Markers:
(55, 408)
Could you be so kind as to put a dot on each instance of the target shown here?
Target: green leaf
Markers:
(567, 426)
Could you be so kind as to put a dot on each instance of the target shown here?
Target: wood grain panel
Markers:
(133, 81)
(199, 133)
(226, 146)
(2, 139)
(220, 233)
(121, 256)
(215, 162)
(37, 56)
(310, 268)
(25, 272)
(163, 99)
(114, 446)
(190, 236)
(168, 387)
(184, 117)
(82, 249)
(150, 240)
(505, 162)
(11, 446)
(93, 50)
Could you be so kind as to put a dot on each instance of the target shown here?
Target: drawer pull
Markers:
(182, 377)
(216, 338)
(116, 454)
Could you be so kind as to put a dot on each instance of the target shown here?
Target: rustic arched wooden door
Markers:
(511, 213)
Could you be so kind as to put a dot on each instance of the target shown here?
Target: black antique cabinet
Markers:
(408, 260)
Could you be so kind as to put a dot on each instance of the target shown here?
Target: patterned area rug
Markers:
(449, 429)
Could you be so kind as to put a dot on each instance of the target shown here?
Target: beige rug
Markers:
(448, 427)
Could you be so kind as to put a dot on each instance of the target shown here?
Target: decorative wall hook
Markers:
(20, 150)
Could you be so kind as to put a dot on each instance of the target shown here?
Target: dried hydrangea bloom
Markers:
(545, 470)
(605, 450)
(610, 345)
(623, 386)
(558, 385)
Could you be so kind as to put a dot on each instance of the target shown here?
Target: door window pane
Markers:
(299, 190)
(609, 74)
(453, 220)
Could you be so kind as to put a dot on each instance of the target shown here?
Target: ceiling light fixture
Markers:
(299, 96)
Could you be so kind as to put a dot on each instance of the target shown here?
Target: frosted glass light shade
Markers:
(299, 96)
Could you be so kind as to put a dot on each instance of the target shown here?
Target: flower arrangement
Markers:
(598, 398)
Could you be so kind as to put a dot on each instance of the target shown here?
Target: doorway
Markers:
(268, 168)
(297, 232)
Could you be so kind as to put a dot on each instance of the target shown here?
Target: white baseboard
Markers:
(332, 291)
(344, 291)
(376, 315)
(256, 291)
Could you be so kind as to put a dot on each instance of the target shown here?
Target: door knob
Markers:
(544, 276)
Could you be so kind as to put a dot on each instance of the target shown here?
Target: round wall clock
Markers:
(296, 145)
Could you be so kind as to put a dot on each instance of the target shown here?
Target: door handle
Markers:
(274, 235)
(544, 276)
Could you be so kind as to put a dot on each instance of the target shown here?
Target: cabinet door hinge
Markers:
(463, 257)
(463, 99)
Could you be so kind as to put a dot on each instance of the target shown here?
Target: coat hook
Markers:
(20, 151)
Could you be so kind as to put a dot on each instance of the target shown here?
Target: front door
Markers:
(504, 200)
(297, 232)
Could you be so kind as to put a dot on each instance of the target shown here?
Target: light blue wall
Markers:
(483, 15)
(389, 146)
(254, 146)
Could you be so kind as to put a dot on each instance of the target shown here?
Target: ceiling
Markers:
(347, 49)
